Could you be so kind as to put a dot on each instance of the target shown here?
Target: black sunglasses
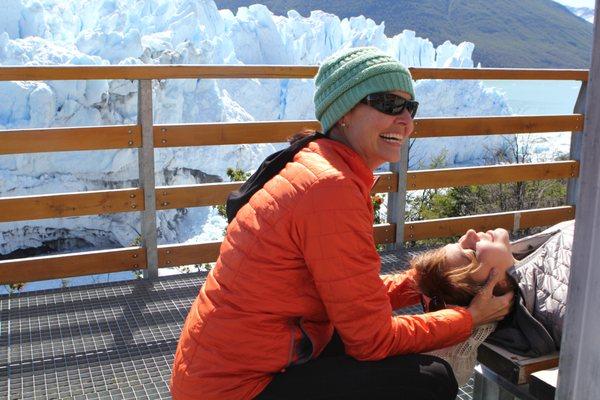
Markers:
(431, 304)
(391, 104)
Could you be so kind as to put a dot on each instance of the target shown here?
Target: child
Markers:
(535, 268)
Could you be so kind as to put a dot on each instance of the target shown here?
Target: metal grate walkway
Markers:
(107, 341)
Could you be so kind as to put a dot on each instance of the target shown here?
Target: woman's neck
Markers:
(336, 135)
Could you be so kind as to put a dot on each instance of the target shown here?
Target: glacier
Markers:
(584, 9)
(584, 13)
(132, 32)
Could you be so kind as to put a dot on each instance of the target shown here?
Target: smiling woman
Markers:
(295, 307)
(376, 130)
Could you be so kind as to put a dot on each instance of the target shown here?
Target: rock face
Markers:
(74, 32)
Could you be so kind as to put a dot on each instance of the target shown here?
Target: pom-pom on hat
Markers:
(348, 76)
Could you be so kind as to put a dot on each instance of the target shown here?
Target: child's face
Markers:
(491, 249)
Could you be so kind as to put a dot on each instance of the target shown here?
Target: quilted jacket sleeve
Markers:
(401, 289)
(333, 228)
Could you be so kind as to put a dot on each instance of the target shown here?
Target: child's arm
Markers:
(402, 289)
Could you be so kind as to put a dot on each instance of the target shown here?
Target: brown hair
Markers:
(434, 278)
(300, 135)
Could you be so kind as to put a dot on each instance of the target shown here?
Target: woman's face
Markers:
(491, 248)
(375, 136)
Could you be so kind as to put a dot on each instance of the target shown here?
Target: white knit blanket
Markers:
(463, 356)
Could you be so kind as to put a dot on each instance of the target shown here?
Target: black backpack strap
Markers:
(270, 167)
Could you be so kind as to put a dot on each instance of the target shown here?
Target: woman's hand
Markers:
(485, 307)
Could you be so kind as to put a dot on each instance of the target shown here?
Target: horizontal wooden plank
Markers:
(452, 177)
(500, 73)
(387, 182)
(76, 264)
(207, 194)
(24, 208)
(52, 267)
(436, 228)
(70, 139)
(187, 254)
(206, 134)
(129, 136)
(543, 216)
(72, 72)
(228, 133)
(212, 194)
(133, 72)
(384, 233)
(543, 363)
(168, 197)
(472, 126)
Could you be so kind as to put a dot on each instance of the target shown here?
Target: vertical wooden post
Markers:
(397, 201)
(146, 171)
(580, 349)
(576, 139)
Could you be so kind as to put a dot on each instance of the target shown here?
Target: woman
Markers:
(535, 268)
(299, 261)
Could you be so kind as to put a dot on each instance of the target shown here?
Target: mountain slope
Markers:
(506, 33)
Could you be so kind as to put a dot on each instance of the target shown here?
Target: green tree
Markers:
(235, 175)
(15, 287)
(493, 198)
(377, 201)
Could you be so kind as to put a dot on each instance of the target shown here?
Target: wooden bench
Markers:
(503, 375)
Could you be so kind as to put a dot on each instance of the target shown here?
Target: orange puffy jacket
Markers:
(297, 261)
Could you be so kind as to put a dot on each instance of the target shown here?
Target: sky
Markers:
(578, 3)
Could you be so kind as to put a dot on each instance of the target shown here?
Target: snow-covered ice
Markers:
(582, 8)
(130, 32)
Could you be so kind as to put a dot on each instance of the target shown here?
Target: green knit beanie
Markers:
(348, 76)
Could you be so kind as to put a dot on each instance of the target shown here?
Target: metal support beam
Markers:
(146, 171)
(576, 139)
(580, 350)
(396, 207)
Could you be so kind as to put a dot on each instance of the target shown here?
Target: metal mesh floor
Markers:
(107, 341)
(113, 340)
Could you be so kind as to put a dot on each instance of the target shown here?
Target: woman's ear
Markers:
(339, 129)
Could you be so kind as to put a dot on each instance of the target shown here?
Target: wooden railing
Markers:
(148, 198)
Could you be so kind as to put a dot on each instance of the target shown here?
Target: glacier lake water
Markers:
(538, 97)
(541, 98)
